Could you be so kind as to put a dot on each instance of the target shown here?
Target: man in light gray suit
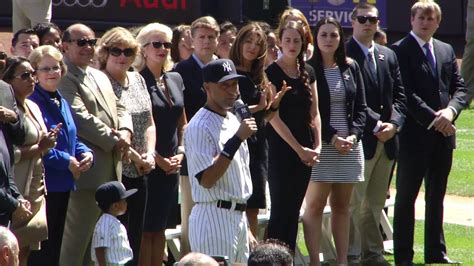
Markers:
(103, 125)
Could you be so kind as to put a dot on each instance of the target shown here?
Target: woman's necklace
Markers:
(292, 72)
(124, 84)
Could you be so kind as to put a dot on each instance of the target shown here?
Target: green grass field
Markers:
(462, 173)
(459, 239)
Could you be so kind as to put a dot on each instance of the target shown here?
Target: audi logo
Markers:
(80, 3)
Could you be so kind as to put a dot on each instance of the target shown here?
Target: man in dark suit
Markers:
(204, 34)
(436, 95)
(11, 132)
(386, 108)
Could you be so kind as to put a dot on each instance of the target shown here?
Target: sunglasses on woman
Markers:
(114, 51)
(158, 45)
(363, 19)
(26, 75)
(82, 42)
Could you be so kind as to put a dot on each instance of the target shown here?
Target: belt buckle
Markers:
(219, 204)
(233, 206)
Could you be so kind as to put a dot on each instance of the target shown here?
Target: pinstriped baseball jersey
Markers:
(204, 138)
(109, 232)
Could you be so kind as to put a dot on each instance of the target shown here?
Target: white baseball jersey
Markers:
(109, 232)
(204, 139)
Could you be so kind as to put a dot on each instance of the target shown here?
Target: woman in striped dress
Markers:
(343, 110)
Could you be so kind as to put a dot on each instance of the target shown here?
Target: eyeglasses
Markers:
(363, 19)
(158, 45)
(26, 75)
(114, 51)
(3, 56)
(49, 69)
(82, 42)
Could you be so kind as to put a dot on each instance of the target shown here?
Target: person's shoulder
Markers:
(442, 45)
(274, 71)
(402, 43)
(186, 64)
(3, 84)
(98, 73)
(174, 76)
(201, 120)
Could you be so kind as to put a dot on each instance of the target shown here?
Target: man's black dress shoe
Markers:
(443, 260)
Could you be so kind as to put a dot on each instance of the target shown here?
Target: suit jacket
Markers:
(96, 111)
(385, 97)
(56, 161)
(194, 93)
(427, 93)
(356, 107)
(10, 133)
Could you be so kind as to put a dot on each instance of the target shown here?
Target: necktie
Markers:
(430, 58)
(371, 63)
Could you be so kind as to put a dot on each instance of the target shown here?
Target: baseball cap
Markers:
(111, 192)
(220, 70)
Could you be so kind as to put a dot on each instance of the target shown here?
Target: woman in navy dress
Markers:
(166, 93)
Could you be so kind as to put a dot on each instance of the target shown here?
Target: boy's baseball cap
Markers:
(111, 192)
(219, 70)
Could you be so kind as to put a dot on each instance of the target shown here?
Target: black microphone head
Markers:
(242, 110)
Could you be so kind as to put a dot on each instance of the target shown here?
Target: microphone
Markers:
(243, 112)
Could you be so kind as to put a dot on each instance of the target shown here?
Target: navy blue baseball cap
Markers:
(220, 70)
(111, 192)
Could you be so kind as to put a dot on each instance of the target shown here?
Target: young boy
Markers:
(110, 244)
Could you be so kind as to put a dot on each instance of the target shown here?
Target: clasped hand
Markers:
(7, 115)
(444, 122)
(344, 145)
(309, 156)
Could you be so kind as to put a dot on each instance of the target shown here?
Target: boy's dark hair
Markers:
(44, 27)
(271, 252)
(22, 31)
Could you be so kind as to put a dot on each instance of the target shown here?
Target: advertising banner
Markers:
(338, 9)
(130, 11)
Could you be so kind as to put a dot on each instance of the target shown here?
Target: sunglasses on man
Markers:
(26, 75)
(114, 51)
(158, 45)
(363, 19)
(82, 42)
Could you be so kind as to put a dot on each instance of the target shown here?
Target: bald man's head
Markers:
(78, 44)
(195, 258)
(8, 248)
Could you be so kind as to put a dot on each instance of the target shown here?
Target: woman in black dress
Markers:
(248, 54)
(166, 93)
(294, 137)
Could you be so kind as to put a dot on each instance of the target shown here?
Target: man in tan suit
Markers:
(103, 125)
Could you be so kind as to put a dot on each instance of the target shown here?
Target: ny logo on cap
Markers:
(227, 67)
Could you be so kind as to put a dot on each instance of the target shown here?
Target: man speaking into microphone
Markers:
(218, 165)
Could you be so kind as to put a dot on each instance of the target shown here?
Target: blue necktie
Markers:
(430, 58)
